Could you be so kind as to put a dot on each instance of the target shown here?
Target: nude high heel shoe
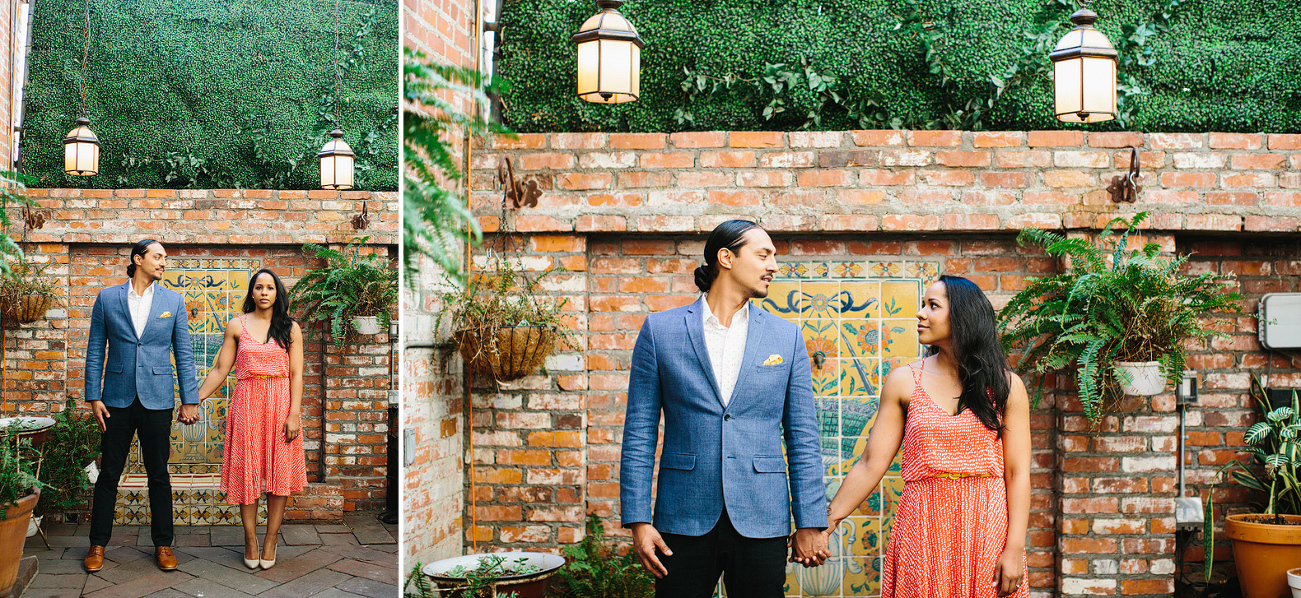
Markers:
(248, 562)
(265, 563)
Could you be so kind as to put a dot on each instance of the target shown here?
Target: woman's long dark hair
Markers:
(282, 325)
(730, 235)
(982, 365)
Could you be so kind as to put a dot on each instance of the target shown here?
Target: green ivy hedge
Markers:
(195, 93)
(1188, 65)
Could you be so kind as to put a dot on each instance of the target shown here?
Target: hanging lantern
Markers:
(336, 163)
(81, 150)
(609, 57)
(1084, 73)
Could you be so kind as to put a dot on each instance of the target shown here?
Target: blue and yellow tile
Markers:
(899, 338)
(862, 338)
(821, 300)
(784, 299)
(863, 298)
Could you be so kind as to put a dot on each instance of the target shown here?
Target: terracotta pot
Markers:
(1263, 552)
(13, 534)
(525, 585)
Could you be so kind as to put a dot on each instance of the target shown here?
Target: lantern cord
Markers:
(338, 76)
(85, 54)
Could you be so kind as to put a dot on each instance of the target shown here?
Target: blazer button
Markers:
(727, 417)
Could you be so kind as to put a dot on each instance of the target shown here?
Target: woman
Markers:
(964, 422)
(264, 446)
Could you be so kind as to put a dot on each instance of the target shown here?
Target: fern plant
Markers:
(1109, 305)
(351, 284)
(435, 216)
(595, 571)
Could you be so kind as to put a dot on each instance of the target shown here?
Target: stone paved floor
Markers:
(356, 558)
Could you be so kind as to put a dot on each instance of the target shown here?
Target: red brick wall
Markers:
(1102, 517)
(433, 391)
(894, 181)
(87, 238)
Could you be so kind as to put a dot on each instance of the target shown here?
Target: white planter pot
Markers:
(1294, 581)
(1146, 378)
(366, 324)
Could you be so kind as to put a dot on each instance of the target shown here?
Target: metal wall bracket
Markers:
(1125, 187)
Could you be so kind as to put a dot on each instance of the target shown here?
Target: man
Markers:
(732, 382)
(132, 392)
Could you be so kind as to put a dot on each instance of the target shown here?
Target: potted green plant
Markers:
(1267, 544)
(594, 569)
(19, 492)
(1110, 309)
(501, 327)
(71, 445)
(353, 291)
(25, 293)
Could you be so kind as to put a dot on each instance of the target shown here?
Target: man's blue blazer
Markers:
(717, 456)
(139, 366)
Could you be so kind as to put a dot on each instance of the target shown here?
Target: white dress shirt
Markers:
(139, 306)
(726, 347)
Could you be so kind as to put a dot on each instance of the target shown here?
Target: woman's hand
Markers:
(291, 427)
(1009, 572)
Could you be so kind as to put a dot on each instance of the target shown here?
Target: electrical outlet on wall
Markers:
(408, 446)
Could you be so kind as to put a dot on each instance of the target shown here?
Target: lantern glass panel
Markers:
(589, 64)
(1073, 39)
(636, 70)
(344, 171)
(615, 71)
(1099, 79)
(1066, 85)
(1092, 38)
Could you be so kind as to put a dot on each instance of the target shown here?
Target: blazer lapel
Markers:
(126, 309)
(696, 331)
(753, 342)
(155, 309)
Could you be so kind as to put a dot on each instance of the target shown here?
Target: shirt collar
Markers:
(710, 318)
(149, 290)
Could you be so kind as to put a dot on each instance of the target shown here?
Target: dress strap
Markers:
(917, 380)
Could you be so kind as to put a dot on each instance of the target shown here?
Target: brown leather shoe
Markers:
(166, 560)
(94, 559)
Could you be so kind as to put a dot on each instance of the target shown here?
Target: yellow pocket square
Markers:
(773, 360)
(166, 314)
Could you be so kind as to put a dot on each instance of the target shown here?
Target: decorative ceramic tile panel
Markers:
(214, 291)
(858, 320)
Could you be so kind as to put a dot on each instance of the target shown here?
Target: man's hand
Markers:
(188, 414)
(101, 414)
(810, 547)
(645, 541)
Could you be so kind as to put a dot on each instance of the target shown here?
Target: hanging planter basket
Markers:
(515, 351)
(24, 308)
(1145, 378)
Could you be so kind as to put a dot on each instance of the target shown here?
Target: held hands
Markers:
(645, 541)
(810, 546)
(188, 414)
(1008, 573)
